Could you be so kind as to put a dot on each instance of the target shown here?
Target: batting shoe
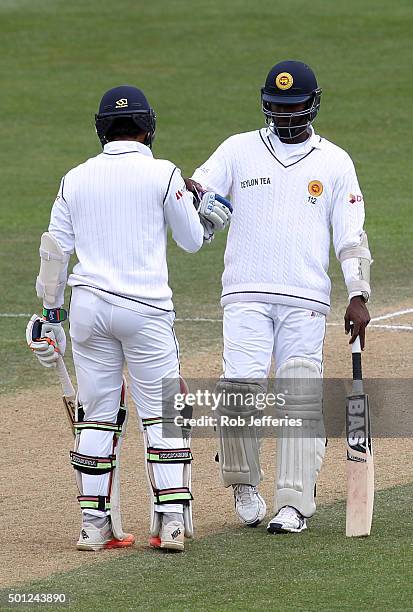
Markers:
(249, 505)
(171, 537)
(93, 538)
(287, 520)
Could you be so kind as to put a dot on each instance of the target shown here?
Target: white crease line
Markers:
(206, 320)
(198, 320)
(393, 327)
(390, 315)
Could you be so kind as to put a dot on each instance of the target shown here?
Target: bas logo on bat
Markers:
(357, 426)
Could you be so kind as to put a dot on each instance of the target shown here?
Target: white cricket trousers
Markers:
(104, 337)
(254, 332)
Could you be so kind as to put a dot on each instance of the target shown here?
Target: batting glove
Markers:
(208, 230)
(46, 340)
(214, 211)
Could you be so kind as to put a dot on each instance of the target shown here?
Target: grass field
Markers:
(247, 569)
(202, 69)
(202, 66)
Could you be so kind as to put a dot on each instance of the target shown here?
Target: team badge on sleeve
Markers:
(180, 193)
(315, 188)
(284, 80)
(355, 199)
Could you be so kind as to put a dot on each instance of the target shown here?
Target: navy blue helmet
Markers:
(125, 102)
(290, 82)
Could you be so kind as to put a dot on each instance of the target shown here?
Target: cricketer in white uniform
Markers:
(288, 187)
(114, 211)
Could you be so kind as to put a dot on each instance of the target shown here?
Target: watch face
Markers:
(365, 296)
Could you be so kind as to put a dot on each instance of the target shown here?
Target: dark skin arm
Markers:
(193, 186)
(356, 319)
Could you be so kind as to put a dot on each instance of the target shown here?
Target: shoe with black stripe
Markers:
(287, 520)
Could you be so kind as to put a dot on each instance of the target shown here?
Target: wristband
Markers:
(54, 315)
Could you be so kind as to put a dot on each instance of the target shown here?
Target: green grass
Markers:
(247, 569)
(202, 66)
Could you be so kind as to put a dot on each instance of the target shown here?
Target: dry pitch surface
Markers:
(39, 506)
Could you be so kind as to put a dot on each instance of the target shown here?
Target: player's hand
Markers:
(194, 187)
(356, 319)
(214, 211)
(46, 340)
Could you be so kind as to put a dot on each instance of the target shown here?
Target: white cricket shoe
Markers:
(249, 505)
(93, 538)
(287, 520)
(172, 536)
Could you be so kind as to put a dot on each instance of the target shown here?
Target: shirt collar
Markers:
(313, 142)
(119, 147)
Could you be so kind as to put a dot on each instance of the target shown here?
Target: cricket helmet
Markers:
(290, 82)
(125, 102)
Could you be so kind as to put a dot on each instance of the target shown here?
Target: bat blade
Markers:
(360, 467)
(69, 394)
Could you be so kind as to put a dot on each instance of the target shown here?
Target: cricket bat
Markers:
(360, 466)
(69, 394)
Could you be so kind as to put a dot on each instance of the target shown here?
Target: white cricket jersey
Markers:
(285, 199)
(114, 210)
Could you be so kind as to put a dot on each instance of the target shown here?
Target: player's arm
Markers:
(352, 250)
(56, 246)
(216, 173)
(185, 212)
(181, 215)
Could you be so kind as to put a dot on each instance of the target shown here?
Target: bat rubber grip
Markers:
(357, 372)
(356, 358)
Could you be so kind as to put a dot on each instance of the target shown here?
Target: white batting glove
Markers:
(46, 340)
(208, 229)
(213, 211)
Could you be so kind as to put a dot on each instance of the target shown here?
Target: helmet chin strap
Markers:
(149, 138)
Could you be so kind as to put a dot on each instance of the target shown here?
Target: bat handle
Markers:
(356, 358)
(356, 346)
(68, 390)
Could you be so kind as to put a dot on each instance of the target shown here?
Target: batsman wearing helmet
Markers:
(289, 189)
(114, 211)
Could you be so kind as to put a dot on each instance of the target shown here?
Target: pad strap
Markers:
(94, 502)
(180, 495)
(155, 421)
(92, 465)
(165, 455)
(185, 429)
(100, 425)
(117, 427)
